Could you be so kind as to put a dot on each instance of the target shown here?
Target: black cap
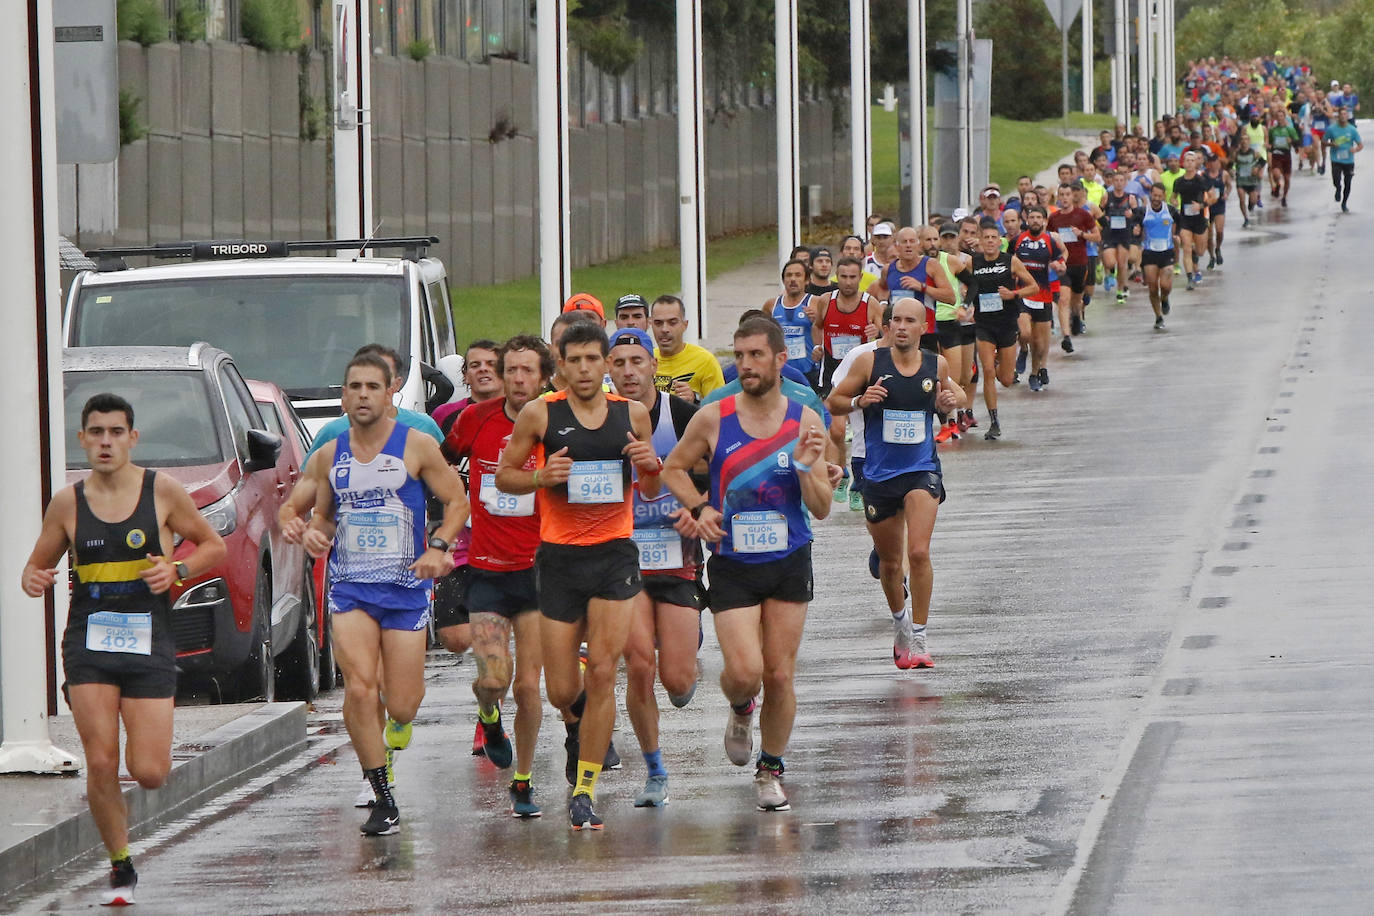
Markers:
(949, 229)
(822, 252)
(632, 299)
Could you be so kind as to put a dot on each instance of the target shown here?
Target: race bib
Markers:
(758, 531)
(504, 504)
(373, 532)
(1157, 245)
(111, 631)
(841, 344)
(1192, 209)
(659, 548)
(796, 342)
(904, 427)
(596, 482)
(1116, 222)
(989, 302)
(1068, 235)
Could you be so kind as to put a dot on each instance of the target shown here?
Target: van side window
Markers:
(443, 318)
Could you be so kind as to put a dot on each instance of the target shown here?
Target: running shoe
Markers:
(944, 435)
(1178, 269)
(497, 744)
(1259, 205)
(842, 491)
(1284, 200)
(654, 794)
(1076, 323)
(612, 759)
(1197, 277)
(679, 700)
(973, 379)
(920, 655)
(1321, 170)
(572, 745)
(972, 420)
(1110, 284)
(1044, 378)
(1035, 381)
(1212, 262)
(994, 432)
(739, 735)
(856, 500)
(768, 790)
(964, 419)
(1164, 306)
(1159, 323)
(582, 657)
(383, 821)
(1191, 285)
(581, 815)
(123, 880)
(1021, 359)
(873, 564)
(901, 641)
(1067, 345)
(1246, 223)
(1345, 208)
(479, 738)
(1220, 260)
(397, 735)
(522, 799)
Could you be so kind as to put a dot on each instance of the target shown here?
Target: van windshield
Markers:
(297, 331)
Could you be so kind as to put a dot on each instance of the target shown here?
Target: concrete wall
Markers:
(224, 157)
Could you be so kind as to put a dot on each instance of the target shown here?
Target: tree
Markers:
(1025, 58)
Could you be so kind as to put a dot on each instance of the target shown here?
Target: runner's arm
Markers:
(950, 396)
(808, 460)
(53, 540)
(1019, 271)
(854, 387)
(822, 306)
(443, 481)
(291, 517)
(184, 520)
(938, 287)
(692, 447)
(530, 425)
(640, 450)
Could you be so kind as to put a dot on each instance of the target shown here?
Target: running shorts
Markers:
(450, 598)
(676, 590)
(1000, 336)
(570, 575)
(1042, 315)
(951, 334)
(1196, 224)
(1118, 238)
(1157, 258)
(1078, 275)
(735, 584)
(885, 498)
(505, 593)
(930, 342)
(342, 600)
(138, 677)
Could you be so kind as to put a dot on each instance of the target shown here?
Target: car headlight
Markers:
(222, 515)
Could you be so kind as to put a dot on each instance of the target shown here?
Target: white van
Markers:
(292, 320)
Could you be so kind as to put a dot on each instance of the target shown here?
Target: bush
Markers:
(1025, 58)
(189, 24)
(609, 47)
(272, 25)
(419, 49)
(129, 127)
(141, 21)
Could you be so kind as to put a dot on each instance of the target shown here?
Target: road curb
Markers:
(207, 766)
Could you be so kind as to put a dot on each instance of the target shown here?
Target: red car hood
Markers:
(205, 482)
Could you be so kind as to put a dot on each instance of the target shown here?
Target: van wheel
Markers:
(257, 678)
(298, 676)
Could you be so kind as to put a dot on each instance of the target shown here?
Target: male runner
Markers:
(909, 276)
(793, 310)
(687, 370)
(899, 389)
(1075, 228)
(631, 311)
(370, 509)
(1192, 193)
(875, 263)
(1283, 139)
(585, 443)
(1121, 211)
(1218, 182)
(819, 281)
(954, 325)
(501, 593)
(1042, 255)
(118, 650)
(844, 319)
(666, 616)
(766, 472)
(1000, 280)
(1158, 256)
(1344, 142)
(1246, 167)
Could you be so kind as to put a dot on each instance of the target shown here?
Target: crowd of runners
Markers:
(615, 482)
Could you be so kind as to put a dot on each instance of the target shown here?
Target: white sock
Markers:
(901, 621)
(918, 629)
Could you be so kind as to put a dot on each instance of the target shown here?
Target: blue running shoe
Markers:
(1021, 360)
(581, 815)
(522, 799)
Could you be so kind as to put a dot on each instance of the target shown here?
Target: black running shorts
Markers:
(505, 593)
(138, 677)
(885, 498)
(450, 598)
(735, 584)
(571, 575)
(1001, 336)
(675, 590)
(1078, 275)
(1157, 258)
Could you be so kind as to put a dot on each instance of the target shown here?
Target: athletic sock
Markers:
(521, 777)
(572, 728)
(768, 762)
(122, 856)
(578, 705)
(654, 761)
(489, 718)
(587, 774)
(992, 415)
(743, 709)
(376, 777)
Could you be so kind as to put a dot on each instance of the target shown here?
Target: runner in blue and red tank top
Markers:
(767, 472)
(909, 276)
(794, 311)
(900, 388)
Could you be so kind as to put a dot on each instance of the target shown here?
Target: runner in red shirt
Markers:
(1075, 227)
(501, 593)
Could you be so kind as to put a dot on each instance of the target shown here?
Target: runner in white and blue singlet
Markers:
(792, 310)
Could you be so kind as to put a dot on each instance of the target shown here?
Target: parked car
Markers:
(292, 320)
(311, 668)
(198, 422)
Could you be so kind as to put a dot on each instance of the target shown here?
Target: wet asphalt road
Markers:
(1152, 690)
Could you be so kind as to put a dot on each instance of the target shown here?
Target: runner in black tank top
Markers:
(118, 648)
(1000, 280)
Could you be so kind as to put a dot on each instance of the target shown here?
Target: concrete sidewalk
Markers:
(214, 749)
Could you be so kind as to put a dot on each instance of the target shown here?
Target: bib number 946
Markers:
(596, 482)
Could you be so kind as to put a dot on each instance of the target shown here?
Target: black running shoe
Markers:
(1044, 377)
(572, 745)
(522, 799)
(497, 743)
(1220, 260)
(1067, 345)
(612, 759)
(580, 813)
(1159, 323)
(994, 431)
(1075, 325)
(383, 821)
(1164, 306)
(123, 880)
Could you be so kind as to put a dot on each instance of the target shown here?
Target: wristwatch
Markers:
(183, 572)
(438, 543)
(696, 510)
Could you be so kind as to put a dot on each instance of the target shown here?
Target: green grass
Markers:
(1078, 121)
(506, 309)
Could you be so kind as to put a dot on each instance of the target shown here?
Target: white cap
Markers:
(1335, 82)
(959, 213)
(883, 229)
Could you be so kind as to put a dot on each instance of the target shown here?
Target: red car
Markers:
(242, 622)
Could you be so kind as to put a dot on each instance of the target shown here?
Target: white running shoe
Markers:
(768, 789)
(739, 735)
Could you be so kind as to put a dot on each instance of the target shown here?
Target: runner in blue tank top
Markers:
(767, 471)
(1158, 254)
(899, 388)
(370, 510)
(908, 275)
(793, 310)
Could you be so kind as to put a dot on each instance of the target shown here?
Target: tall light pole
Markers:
(963, 16)
(352, 123)
(1121, 63)
(860, 128)
(551, 71)
(786, 98)
(1145, 57)
(916, 69)
(1169, 60)
(1089, 91)
(691, 163)
(31, 464)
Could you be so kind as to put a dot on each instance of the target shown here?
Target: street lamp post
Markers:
(551, 70)
(786, 99)
(691, 163)
(860, 130)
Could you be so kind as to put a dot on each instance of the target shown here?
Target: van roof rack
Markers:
(106, 259)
